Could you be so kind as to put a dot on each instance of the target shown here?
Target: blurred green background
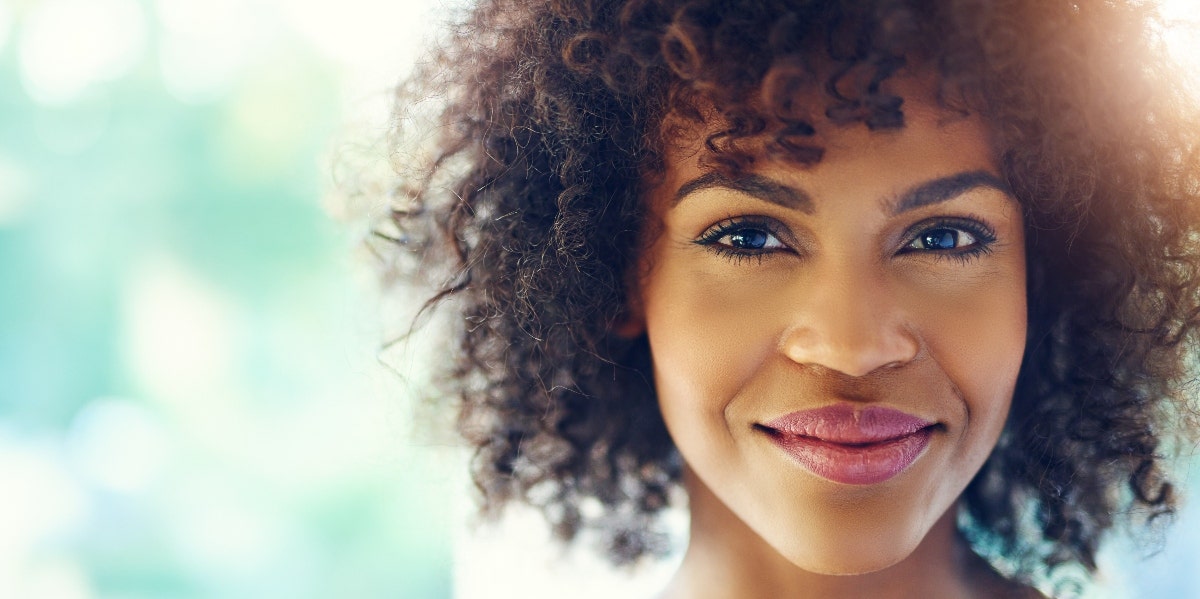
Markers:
(190, 403)
(190, 400)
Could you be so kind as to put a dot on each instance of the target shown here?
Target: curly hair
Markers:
(554, 115)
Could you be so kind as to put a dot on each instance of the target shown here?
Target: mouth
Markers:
(849, 446)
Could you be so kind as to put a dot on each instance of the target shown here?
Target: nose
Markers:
(851, 323)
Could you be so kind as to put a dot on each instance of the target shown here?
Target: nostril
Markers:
(852, 345)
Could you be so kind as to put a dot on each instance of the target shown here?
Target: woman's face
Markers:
(835, 347)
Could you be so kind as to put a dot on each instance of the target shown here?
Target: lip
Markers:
(851, 446)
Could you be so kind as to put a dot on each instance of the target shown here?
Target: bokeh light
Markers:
(67, 45)
(203, 46)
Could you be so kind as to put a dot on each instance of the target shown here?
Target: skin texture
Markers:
(842, 305)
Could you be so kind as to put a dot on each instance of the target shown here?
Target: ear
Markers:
(631, 322)
(629, 326)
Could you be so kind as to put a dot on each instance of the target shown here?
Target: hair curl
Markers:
(553, 115)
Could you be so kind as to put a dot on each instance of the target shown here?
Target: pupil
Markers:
(749, 239)
(941, 239)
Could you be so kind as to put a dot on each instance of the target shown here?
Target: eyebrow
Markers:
(943, 189)
(934, 191)
(757, 186)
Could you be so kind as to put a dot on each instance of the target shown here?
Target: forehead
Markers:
(934, 142)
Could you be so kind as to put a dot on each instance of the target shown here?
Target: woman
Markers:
(882, 286)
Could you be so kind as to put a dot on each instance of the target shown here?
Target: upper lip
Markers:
(849, 424)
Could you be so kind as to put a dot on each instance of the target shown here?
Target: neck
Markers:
(726, 559)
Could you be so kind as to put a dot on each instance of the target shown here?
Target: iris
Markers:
(748, 239)
(940, 239)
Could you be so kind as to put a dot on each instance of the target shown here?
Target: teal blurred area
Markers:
(190, 403)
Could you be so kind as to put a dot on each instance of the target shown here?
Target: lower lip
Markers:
(848, 464)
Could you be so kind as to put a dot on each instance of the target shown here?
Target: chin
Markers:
(852, 547)
(852, 565)
(851, 560)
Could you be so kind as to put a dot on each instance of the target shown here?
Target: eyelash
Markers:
(983, 234)
(710, 238)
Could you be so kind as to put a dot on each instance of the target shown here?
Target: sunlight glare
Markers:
(1183, 37)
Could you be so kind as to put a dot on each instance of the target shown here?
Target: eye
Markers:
(952, 237)
(943, 238)
(750, 238)
(743, 237)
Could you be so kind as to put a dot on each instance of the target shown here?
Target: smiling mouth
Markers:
(848, 446)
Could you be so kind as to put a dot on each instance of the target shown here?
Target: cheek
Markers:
(978, 339)
(708, 333)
